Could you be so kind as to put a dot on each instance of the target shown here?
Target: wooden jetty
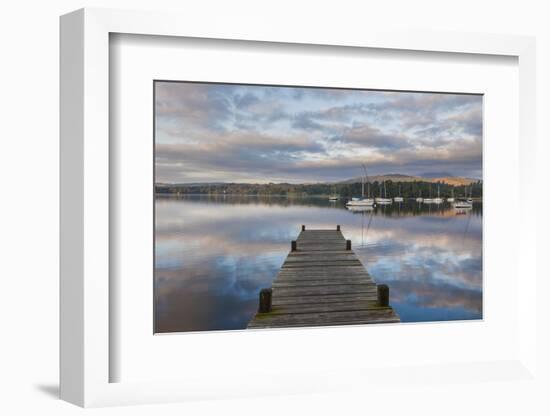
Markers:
(322, 282)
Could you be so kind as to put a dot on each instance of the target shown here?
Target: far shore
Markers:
(320, 196)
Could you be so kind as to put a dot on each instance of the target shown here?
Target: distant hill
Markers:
(455, 180)
(396, 177)
(435, 175)
(401, 185)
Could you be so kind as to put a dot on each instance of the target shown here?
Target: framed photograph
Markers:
(387, 181)
(319, 201)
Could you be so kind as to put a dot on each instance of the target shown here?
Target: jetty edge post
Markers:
(265, 300)
(303, 227)
(348, 245)
(338, 228)
(293, 245)
(383, 293)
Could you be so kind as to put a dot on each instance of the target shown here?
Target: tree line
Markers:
(346, 190)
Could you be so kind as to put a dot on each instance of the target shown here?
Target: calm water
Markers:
(214, 254)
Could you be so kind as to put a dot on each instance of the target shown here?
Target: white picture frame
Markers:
(85, 213)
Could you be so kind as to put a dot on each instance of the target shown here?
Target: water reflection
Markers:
(214, 253)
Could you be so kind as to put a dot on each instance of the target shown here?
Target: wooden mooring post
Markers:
(322, 282)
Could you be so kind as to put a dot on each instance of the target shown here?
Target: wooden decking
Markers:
(322, 282)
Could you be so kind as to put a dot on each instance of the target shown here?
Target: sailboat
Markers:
(419, 198)
(359, 208)
(334, 196)
(362, 202)
(438, 200)
(429, 200)
(452, 198)
(463, 205)
(385, 200)
(466, 203)
(398, 198)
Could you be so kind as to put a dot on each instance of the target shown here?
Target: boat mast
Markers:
(366, 178)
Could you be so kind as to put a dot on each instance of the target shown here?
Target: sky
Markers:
(261, 134)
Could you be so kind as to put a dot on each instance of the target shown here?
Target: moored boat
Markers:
(438, 200)
(385, 200)
(452, 198)
(462, 205)
(466, 202)
(398, 198)
(360, 208)
(362, 202)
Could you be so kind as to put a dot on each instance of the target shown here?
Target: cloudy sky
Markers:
(240, 133)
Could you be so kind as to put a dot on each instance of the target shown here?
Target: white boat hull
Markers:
(360, 203)
(363, 208)
(398, 199)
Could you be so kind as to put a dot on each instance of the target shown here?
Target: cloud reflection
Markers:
(213, 255)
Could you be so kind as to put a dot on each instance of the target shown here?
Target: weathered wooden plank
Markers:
(328, 315)
(341, 270)
(309, 256)
(324, 290)
(332, 273)
(304, 265)
(296, 274)
(258, 324)
(330, 318)
(330, 259)
(326, 307)
(323, 282)
(310, 300)
(316, 256)
(320, 245)
(317, 271)
(319, 281)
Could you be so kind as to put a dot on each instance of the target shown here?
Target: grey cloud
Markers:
(245, 100)
(232, 153)
(368, 136)
(190, 105)
(252, 132)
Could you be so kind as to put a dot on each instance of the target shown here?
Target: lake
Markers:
(213, 254)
